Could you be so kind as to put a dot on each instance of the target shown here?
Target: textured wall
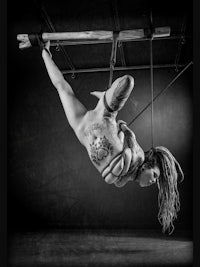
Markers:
(51, 180)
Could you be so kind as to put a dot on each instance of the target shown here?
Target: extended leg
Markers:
(118, 93)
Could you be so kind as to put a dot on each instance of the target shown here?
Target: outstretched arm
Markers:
(74, 110)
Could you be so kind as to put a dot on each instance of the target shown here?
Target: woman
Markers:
(112, 147)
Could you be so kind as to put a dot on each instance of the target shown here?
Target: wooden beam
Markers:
(80, 37)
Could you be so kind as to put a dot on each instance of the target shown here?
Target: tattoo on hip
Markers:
(100, 148)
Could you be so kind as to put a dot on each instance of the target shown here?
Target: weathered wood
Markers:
(24, 41)
(87, 35)
(92, 36)
(161, 32)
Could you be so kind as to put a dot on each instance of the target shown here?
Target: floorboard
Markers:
(99, 248)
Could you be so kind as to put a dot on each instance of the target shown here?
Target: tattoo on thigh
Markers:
(100, 149)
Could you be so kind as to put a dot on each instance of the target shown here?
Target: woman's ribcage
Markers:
(103, 145)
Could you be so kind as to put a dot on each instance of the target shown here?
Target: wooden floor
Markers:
(99, 248)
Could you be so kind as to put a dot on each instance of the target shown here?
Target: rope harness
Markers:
(124, 165)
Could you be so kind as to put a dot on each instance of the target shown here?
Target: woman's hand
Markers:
(46, 48)
(47, 45)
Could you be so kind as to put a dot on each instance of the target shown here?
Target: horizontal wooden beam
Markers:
(28, 40)
(90, 42)
(141, 67)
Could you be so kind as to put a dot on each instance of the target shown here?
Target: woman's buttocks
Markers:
(103, 143)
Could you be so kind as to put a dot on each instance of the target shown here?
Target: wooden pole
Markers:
(127, 68)
(101, 36)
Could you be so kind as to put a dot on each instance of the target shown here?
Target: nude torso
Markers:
(101, 139)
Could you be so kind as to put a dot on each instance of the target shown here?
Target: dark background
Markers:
(51, 182)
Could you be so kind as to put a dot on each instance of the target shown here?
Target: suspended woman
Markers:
(112, 146)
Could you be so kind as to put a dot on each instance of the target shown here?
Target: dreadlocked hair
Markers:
(168, 196)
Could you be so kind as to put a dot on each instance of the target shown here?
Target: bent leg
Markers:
(119, 92)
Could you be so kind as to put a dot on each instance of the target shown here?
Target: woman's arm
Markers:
(73, 108)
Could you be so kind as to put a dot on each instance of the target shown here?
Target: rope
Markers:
(175, 78)
(181, 42)
(151, 77)
(111, 76)
(113, 57)
(152, 93)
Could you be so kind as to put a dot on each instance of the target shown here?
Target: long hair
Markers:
(168, 196)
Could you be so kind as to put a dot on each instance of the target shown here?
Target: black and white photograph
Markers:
(100, 133)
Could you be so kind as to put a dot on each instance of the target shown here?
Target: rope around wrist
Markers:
(37, 40)
(44, 48)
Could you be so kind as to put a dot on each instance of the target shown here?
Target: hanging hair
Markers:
(168, 196)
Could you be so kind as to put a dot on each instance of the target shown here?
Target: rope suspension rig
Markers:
(113, 56)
